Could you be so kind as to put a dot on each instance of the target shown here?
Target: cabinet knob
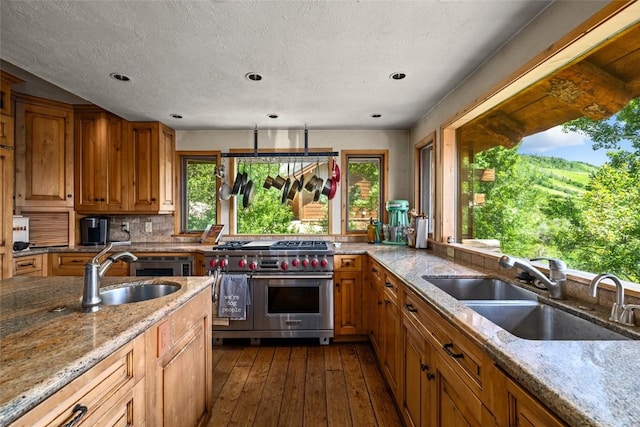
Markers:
(153, 199)
(411, 308)
(69, 195)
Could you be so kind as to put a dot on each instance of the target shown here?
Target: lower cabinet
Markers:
(30, 265)
(348, 297)
(72, 264)
(179, 367)
(438, 375)
(109, 394)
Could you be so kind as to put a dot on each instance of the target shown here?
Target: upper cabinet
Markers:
(151, 167)
(44, 153)
(100, 156)
(122, 167)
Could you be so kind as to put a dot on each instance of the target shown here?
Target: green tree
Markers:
(201, 194)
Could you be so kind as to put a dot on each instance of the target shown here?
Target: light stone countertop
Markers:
(587, 383)
(41, 351)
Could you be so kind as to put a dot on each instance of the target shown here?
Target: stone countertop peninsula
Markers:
(42, 349)
(587, 383)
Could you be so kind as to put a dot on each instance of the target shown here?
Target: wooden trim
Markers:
(446, 188)
(610, 20)
(42, 102)
(384, 154)
(417, 172)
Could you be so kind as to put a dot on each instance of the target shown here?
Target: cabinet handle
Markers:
(69, 195)
(387, 301)
(424, 367)
(374, 270)
(81, 410)
(379, 302)
(411, 308)
(26, 264)
(153, 199)
(337, 284)
(447, 348)
(388, 285)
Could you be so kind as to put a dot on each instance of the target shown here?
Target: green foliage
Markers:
(201, 195)
(363, 169)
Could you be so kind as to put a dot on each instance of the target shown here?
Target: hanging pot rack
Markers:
(281, 154)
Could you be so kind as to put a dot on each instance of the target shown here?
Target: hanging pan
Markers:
(238, 182)
(248, 191)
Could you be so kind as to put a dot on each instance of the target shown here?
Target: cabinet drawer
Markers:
(375, 271)
(70, 264)
(347, 262)
(391, 287)
(28, 265)
(98, 390)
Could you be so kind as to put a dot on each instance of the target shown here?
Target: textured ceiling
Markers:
(325, 64)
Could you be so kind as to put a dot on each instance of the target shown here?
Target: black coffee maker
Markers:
(94, 231)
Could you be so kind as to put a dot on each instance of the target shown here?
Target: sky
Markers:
(571, 146)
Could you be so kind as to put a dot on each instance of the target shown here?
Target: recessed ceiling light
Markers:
(119, 77)
(272, 116)
(376, 116)
(254, 77)
(397, 76)
(175, 116)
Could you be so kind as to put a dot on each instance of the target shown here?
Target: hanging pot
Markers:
(224, 193)
(287, 184)
(336, 172)
(248, 191)
(237, 183)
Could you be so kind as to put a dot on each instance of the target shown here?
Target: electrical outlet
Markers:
(148, 227)
(124, 227)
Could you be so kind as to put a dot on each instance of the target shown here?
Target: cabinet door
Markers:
(348, 303)
(166, 191)
(416, 377)
(392, 344)
(6, 213)
(44, 156)
(454, 403)
(144, 167)
(6, 131)
(179, 366)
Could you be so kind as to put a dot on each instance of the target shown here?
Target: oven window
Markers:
(283, 300)
(154, 271)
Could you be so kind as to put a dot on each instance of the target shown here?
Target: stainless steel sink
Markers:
(534, 321)
(481, 288)
(138, 292)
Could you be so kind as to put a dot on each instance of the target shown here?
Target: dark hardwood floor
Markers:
(280, 384)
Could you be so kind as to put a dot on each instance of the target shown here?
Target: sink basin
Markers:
(481, 288)
(138, 292)
(534, 321)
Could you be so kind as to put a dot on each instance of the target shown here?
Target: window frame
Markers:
(180, 213)
(383, 156)
(425, 198)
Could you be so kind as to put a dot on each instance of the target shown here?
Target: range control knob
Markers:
(242, 263)
(305, 262)
(223, 263)
(213, 263)
(253, 265)
(324, 262)
(314, 262)
(295, 262)
(284, 265)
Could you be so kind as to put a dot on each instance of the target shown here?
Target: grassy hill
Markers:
(560, 177)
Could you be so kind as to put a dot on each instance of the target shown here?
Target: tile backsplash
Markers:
(161, 227)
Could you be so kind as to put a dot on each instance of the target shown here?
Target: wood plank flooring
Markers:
(295, 384)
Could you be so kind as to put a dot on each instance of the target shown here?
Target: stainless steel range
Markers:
(291, 288)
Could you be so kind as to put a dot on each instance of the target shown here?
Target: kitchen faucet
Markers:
(619, 312)
(93, 271)
(557, 273)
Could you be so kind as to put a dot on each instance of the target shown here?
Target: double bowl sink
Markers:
(518, 310)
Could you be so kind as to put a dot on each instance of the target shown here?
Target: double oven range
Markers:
(291, 288)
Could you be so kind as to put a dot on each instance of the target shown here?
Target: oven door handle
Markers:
(291, 276)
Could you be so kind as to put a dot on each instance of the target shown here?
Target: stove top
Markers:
(275, 245)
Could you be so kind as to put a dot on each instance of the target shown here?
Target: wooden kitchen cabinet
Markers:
(101, 150)
(374, 309)
(514, 406)
(112, 393)
(348, 297)
(30, 265)
(392, 334)
(6, 199)
(179, 366)
(44, 153)
(151, 167)
(72, 264)
(418, 373)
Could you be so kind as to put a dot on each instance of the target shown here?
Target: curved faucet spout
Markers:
(618, 306)
(557, 273)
